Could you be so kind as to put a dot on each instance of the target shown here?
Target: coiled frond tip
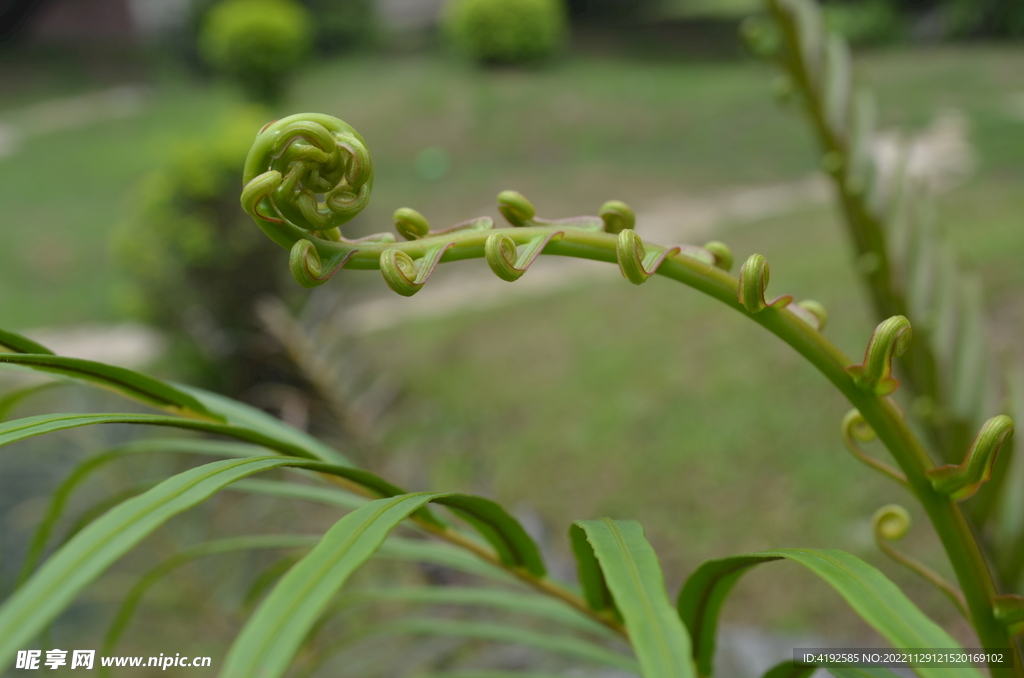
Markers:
(617, 216)
(961, 481)
(855, 429)
(890, 339)
(754, 277)
(516, 209)
(635, 262)
(411, 224)
(722, 253)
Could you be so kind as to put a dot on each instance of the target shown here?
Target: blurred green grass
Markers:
(653, 403)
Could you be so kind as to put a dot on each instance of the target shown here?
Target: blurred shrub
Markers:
(342, 25)
(869, 22)
(613, 10)
(193, 265)
(506, 31)
(257, 42)
(977, 18)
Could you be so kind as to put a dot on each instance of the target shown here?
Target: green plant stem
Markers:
(959, 540)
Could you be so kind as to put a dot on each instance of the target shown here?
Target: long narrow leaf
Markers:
(276, 630)
(633, 575)
(28, 427)
(595, 589)
(495, 599)
(133, 598)
(869, 593)
(126, 382)
(320, 495)
(75, 565)
(104, 504)
(250, 417)
(179, 399)
(14, 398)
(59, 497)
(567, 645)
(9, 341)
(444, 555)
(790, 669)
(274, 633)
(405, 548)
(514, 546)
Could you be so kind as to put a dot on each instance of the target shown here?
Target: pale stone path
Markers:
(55, 115)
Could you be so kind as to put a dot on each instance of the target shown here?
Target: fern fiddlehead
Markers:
(611, 237)
(891, 523)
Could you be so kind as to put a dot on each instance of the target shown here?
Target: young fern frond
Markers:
(961, 481)
(867, 386)
(309, 174)
(855, 430)
(891, 523)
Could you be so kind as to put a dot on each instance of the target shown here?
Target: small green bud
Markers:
(501, 254)
(754, 277)
(411, 224)
(406, 275)
(962, 481)
(306, 266)
(816, 309)
(516, 209)
(890, 339)
(723, 255)
(617, 216)
(891, 522)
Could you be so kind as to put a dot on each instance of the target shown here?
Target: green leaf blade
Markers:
(514, 546)
(16, 343)
(94, 549)
(869, 593)
(274, 633)
(633, 575)
(566, 645)
(126, 382)
(497, 599)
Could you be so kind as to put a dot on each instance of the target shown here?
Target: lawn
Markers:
(651, 403)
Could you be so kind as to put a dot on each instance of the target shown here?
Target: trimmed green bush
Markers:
(343, 25)
(506, 31)
(872, 22)
(257, 42)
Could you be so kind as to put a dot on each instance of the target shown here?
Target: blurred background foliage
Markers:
(259, 42)
(123, 125)
(506, 31)
(190, 265)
